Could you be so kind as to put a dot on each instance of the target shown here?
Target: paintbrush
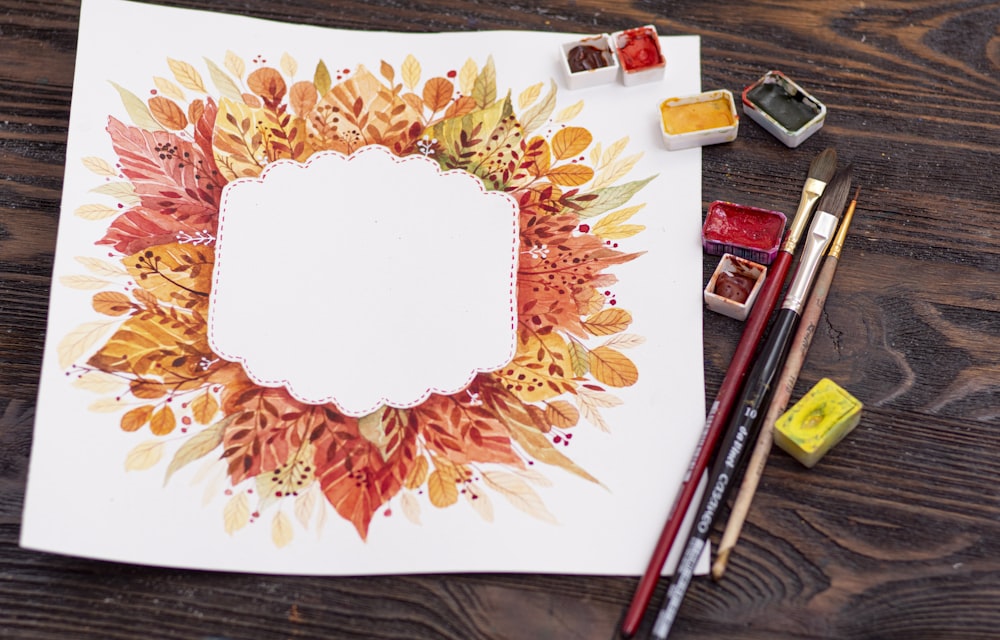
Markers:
(745, 423)
(821, 170)
(782, 393)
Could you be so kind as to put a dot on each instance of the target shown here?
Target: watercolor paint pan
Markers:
(639, 55)
(734, 286)
(783, 108)
(589, 62)
(746, 232)
(817, 422)
(699, 120)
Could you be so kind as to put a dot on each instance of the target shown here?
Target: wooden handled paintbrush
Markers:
(782, 394)
(745, 423)
(821, 170)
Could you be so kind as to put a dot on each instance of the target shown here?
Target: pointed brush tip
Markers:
(835, 195)
(824, 165)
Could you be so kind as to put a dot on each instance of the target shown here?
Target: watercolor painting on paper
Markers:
(331, 303)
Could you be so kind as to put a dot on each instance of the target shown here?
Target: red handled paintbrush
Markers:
(821, 170)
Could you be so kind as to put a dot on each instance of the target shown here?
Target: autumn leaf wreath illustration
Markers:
(149, 357)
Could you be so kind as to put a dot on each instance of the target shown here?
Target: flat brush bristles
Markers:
(824, 165)
(834, 198)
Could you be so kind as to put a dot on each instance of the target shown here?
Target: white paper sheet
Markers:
(142, 429)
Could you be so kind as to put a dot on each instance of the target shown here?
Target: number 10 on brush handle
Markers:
(731, 457)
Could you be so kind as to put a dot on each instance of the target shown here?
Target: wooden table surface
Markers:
(896, 534)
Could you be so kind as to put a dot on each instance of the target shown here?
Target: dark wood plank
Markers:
(894, 535)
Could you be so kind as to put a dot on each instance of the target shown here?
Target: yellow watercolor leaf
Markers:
(321, 78)
(105, 405)
(625, 341)
(570, 142)
(100, 382)
(137, 110)
(198, 446)
(124, 192)
(569, 112)
(608, 322)
(612, 152)
(288, 65)
(100, 166)
(144, 456)
(616, 171)
(540, 370)
(561, 414)
(95, 211)
(83, 282)
(101, 267)
(186, 75)
(305, 506)
(173, 272)
(484, 89)
(570, 175)
(411, 507)
(237, 140)
(540, 448)
(519, 494)
(595, 154)
(236, 513)
(411, 72)
(168, 88)
(163, 421)
(235, 64)
(534, 477)
(529, 95)
(611, 226)
(480, 503)
(535, 117)
(227, 88)
(612, 367)
(441, 489)
(281, 530)
(467, 76)
(418, 473)
(590, 403)
(81, 340)
(204, 407)
(578, 359)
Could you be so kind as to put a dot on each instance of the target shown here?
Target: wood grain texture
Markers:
(894, 535)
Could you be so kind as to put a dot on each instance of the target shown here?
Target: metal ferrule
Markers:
(811, 192)
(816, 241)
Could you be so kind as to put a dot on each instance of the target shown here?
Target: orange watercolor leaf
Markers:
(562, 414)
(613, 368)
(268, 84)
(134, 419)
(303, 97)
(163, 421)
(570, 142)
(570, 175)
(608, 322)
(437, 93)
(167, 113)
(111, 303)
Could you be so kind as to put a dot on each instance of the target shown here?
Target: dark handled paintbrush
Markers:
(782, 393)
(821, 170)
(745, 422)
